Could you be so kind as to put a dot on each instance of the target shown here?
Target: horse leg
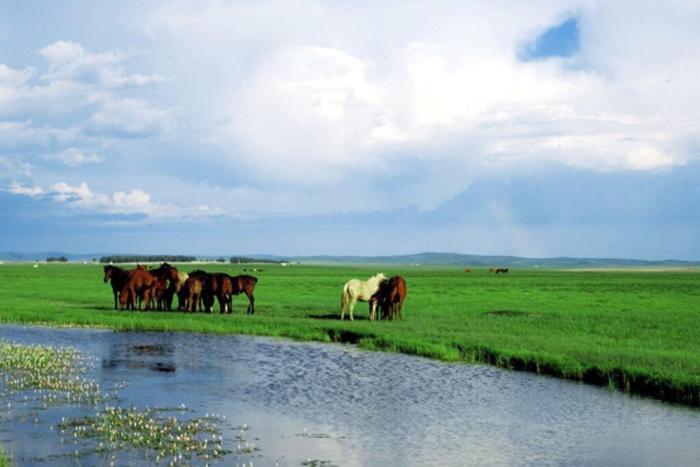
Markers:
(343, 306)
(352, 307)
(251, 303)
(132, 296)
(222, 303)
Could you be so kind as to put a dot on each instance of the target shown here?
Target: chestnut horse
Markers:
(117, 278)
(141, 285)
(389, 298)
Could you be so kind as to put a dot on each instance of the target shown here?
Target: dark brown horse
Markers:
(221, 287)
(245, 284)
(224, 287)
(117, 278)
(389, 298)
(166, 285)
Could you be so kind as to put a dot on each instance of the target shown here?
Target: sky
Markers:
(301, 127)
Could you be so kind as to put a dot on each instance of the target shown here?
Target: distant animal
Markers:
(355, 290)
(501, 270)
(117, 277)
(389, 299)
(467, 270)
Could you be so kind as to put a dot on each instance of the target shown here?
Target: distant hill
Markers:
(425, 259)
(456, 259)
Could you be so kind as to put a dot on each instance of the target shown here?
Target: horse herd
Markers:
(195, 291)
(155, 289)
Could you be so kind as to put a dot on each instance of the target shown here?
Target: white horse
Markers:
(355, 290)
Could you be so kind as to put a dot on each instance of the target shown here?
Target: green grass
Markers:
(4, 460)
(636, 331)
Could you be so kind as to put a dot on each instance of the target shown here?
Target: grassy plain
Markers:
(636, 331)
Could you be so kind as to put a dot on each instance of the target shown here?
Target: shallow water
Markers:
(339, 404)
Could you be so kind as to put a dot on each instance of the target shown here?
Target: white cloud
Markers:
(121, 202)
(349, 89)
(70, 61)
(129, 118)
(19, 189)
(73, 157)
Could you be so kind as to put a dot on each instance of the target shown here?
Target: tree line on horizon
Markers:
(178, 259)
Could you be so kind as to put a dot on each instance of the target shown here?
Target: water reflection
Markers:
(335, 403)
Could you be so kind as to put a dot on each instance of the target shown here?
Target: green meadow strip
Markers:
(635, 331)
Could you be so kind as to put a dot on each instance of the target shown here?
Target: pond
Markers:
(323, 404)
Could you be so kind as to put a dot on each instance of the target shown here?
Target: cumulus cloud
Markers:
(68, 60)
(136, 201)
(82, 91)
(371, 87)
(31, 191)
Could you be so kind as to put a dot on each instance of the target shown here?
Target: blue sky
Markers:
(304, 127)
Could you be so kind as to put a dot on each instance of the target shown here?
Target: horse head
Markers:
(381, 277)
(108, 273)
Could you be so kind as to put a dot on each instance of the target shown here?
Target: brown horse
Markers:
(117, 278)
(221, 287)
(191, 293)
(245, 284)
(140, 285)
(166, 285)
(389, 298)
(202, 291)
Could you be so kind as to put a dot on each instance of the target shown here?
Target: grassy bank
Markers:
(636, 331)
(4, 460)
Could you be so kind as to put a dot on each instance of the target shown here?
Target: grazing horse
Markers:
(118, 279)
(355, 290)
(244, 284)
(501, 270)
(389, 298)
(141, 284)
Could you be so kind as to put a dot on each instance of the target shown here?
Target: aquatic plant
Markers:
(165, 438)
(56, 374)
